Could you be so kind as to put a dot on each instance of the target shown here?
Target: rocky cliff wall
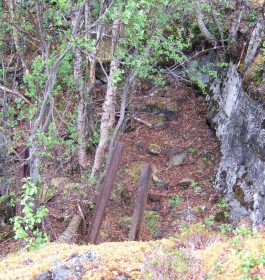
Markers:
(239, 122)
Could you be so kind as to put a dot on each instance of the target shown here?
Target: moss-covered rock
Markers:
(253, 80)
(47, 193)
(178, 158)
(59, 181)
(125, 222)
(159, 122)
(185, 183)
(154, 149)
(136, 170)
(254, 73)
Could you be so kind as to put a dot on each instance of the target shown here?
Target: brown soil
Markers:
(188, 133)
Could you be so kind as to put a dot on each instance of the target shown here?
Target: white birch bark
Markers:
(204, 30)
(108, 115)
(254, 42)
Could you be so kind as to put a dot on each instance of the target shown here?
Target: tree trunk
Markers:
(254, 42)
(204, 30)
(108, 115)
(19, 48)
(5, 208)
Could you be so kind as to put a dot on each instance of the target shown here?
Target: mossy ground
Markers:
(194, 254)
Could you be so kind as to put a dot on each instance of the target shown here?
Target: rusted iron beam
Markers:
(23, 172)
(105, 191)
(140, 203)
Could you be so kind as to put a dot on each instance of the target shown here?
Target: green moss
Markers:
(154, 149)
(136, 170)
(125, 222)
(239, 194)
(47, 193)
(254, 74)
(161, 105)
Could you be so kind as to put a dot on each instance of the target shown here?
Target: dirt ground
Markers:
(172, 206)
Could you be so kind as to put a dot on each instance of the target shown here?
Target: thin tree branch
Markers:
(5, 89)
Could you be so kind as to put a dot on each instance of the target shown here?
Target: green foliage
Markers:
(192, 151)
(25, 226)
(142, 46)
(153, 221)
(244, 231)
(251, 265)
(94, 139)
(209, 221)
(35, 80)
(61, 4)
(195, 186)
(174, 201)
(225, 228)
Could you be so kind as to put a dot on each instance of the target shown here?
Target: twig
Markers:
(142, 121)
(241, 55)
(16, 93)
(80, 211)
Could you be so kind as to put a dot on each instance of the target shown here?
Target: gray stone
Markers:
(28, 262)
(172, 107)
(177, 159)
(185, 136)
(201, 67)
(238, 120)
(45, 275)
(171, 116)
(92, 255)
(122, 277)
(73, 268)
(159, 183)
(65, 273)
(139, 145)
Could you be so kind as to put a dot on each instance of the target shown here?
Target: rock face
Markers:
(239, 121)
(71, 269)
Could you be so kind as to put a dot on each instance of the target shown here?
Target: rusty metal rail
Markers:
(105, 191)
(140, 203)
(23, 172)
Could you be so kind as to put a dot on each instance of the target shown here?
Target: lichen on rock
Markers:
(238, 120)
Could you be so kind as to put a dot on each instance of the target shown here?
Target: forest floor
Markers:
(172, 205)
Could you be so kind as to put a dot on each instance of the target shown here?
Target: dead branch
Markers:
(15, 93)
(142, 121)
